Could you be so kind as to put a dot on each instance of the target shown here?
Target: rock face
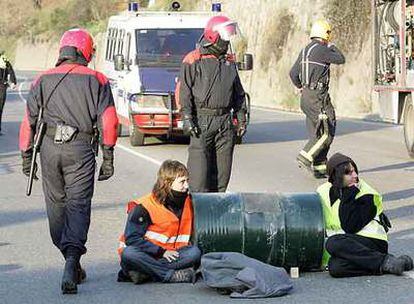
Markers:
(274, 32)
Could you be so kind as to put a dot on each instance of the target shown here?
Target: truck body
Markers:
(393, 57)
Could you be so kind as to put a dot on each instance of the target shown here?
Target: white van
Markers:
(143, 54)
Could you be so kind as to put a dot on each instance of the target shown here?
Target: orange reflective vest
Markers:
(166, 230)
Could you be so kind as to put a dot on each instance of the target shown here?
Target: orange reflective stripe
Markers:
(166, 230)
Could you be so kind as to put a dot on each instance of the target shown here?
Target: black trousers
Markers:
(353, 255)
(3, 95)
(320, 135)
(210, 156)
(68, 183)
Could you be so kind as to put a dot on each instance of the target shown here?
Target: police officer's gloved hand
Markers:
(107, 167)
(189, 127)
(27, 163)
(241, 124)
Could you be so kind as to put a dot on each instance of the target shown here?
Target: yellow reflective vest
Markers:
(331, 214)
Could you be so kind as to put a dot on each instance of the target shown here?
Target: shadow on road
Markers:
(17, 217)
(399, 195)
(405, 165)
(9, 141)
(292, 130)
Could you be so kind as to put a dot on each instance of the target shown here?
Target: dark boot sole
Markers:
(69, 288)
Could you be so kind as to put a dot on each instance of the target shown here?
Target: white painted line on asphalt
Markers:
(406, 237)
(143, 156)
(409, 274)
(20, 89)
(7, 154)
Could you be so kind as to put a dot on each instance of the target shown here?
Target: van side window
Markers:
(108, 44)
(120, 44)
(111, 44)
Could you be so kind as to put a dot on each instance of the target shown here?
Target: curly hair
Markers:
(168, 172)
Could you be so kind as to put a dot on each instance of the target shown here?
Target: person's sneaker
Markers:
(392, 265)
(70, 277)
(138, 277)
(185, 275)
(408, 262)
(123, 277)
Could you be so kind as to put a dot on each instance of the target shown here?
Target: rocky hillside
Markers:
(274, 32)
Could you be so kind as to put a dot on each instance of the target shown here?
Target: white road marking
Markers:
(143, 156)
(20, 89)
(8, 154)
(406, 237)
(409, 274)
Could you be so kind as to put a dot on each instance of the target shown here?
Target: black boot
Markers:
(392, 265)
(81, 274)
(138, 277)
(70, 276)
(408, 262)
(123, 277)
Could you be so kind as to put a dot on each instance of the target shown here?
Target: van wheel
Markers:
(409, 126)
(136, 138)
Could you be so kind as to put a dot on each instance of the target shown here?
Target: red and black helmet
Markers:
(81, 40)
(219, 26)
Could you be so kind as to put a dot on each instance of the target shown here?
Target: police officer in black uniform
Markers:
(7, 78)
(72, 100)
(211, 95)
(310, 74)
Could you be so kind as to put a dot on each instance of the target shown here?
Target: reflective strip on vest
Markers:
(331, 213)
(374, 230)
(334, 232)
(151, 235)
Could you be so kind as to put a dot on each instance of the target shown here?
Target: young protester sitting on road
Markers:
(356, 224)
(156, 242)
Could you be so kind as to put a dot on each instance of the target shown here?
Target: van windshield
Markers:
(165, 47)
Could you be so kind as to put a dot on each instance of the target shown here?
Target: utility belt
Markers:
(63, 134)
(213, 112)
(316, 86)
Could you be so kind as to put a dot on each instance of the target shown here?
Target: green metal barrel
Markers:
(281, 230)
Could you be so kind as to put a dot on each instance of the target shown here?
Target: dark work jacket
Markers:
(198, 71)
(5, 73)
(321, 57)
(82, 99)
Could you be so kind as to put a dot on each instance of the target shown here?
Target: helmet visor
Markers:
(227, 30)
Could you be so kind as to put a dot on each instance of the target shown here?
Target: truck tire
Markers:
(136, 138)
(409, 126)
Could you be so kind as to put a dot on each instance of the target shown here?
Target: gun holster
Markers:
(64, 133)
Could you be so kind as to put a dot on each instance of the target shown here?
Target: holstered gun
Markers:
(36, 148)
(95, 140)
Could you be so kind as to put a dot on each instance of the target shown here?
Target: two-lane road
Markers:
(30, 267)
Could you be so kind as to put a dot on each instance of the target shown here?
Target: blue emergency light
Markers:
(133, 7)
(216, 7)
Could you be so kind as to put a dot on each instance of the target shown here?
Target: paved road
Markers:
(30, 267)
